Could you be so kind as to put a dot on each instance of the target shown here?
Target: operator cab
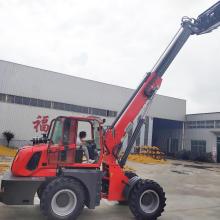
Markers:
(66, 145)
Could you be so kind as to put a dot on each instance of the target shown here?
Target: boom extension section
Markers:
(209, 20)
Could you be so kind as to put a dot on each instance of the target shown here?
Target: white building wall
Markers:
(32, 82)
(19, 118)
(21, 80)
(200, 134)
(168, 108)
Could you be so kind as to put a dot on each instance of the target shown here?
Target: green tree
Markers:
(8, 135)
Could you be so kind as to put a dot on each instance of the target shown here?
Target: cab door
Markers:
(62, 144)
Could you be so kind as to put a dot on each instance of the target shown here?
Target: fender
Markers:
(131, 183)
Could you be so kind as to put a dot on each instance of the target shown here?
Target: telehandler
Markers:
(54, 167)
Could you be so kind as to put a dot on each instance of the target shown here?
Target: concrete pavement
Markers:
(192, 190)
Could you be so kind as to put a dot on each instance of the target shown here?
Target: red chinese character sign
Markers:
(41, 124)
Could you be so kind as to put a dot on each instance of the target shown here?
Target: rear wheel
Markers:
(63, 199)
(147, 200)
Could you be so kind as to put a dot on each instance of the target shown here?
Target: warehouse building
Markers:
(31, 97)
(202, 134)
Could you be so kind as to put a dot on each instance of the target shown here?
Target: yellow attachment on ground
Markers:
(4, 167)
(7, 151)
(147, 154)
(140, 158)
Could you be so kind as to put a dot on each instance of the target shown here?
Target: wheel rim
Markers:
(64, 202)
(149, 201)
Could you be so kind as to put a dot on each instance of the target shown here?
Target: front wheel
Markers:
(147, 200)
(63, 199)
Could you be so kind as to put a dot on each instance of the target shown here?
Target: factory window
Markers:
(210, 124)
(47, 104)
(107, 113)
(198, 147)
(18, 99)
(33, 102)
(94, 111)
(111, 113)
(26, 101)
(217, 123)
(201, 124)
(97, 111)
(67, 107)
(73, 108)
(58, 105)
(55, 105)
(10, 98)
(2, 97)
(41, 103)
(84, 110)
(191, 124)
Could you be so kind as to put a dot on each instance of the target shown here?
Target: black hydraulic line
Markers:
(131, 142)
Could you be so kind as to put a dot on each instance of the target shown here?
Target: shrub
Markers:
(8, 136)
(188, 155)
(183, 155)
(205, 157)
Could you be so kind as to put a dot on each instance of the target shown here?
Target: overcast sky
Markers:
(114, 41)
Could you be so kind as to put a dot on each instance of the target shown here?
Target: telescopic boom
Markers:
(206, 22)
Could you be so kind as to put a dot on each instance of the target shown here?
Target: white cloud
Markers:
(114, 42)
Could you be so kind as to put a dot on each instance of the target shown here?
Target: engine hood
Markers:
(20, 163)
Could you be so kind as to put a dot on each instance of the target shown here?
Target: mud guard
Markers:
(131, 183)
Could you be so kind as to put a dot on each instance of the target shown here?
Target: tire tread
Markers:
(134, 199)
(56, 184)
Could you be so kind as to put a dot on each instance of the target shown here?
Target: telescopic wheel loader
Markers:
(54, 169)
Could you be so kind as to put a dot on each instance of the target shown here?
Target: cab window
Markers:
(57, 133)
(88, 142)
(63, 133)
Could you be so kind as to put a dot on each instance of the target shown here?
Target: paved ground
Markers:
(193, 193)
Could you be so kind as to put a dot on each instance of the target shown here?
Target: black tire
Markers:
(39, 192)
(147, 200)
(41, 189)
(62, 193)
(130, 175)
